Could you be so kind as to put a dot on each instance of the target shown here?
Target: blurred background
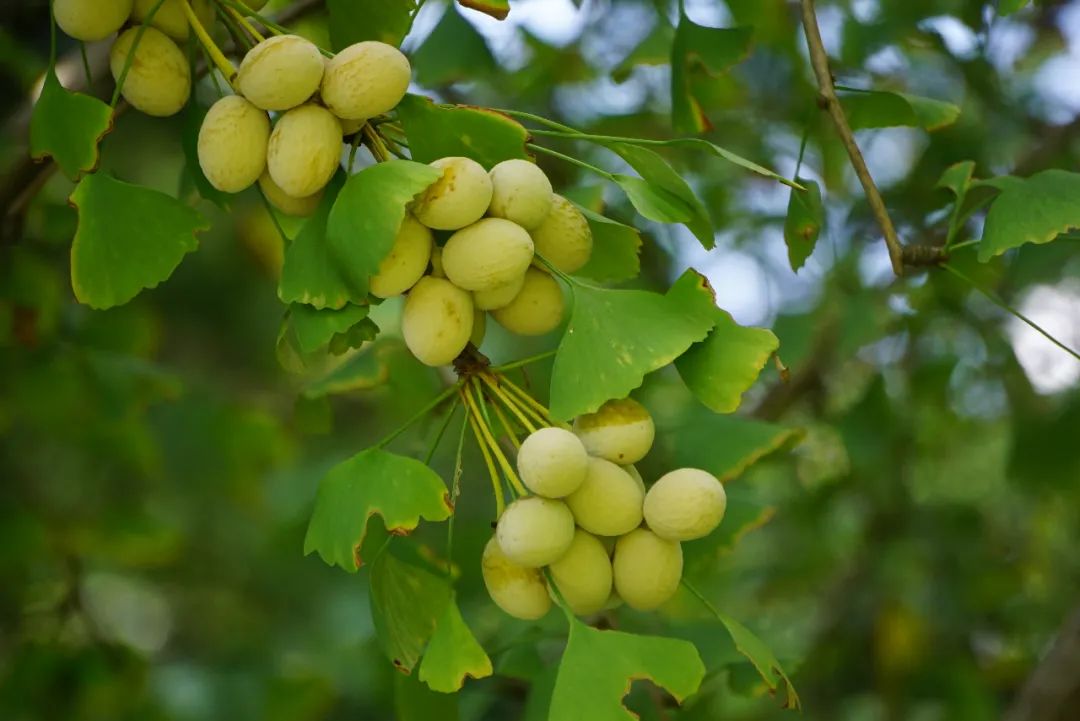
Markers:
(913, 557)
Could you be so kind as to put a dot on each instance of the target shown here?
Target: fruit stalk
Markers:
(220, 61)
(243, 22)
(504, 464)
(496, 484)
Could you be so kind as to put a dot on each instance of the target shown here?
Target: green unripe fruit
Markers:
(621, 431)
(647, 569)
(488, 254)
(458, 198)
(608, 502)
(91, 20)
(521, 193)
(479, 328)
(281, 72)
(437, 321)
(365, 79)
(519, 591)
(636, 475)
(564, 238)
(552, 462)
(583, 574)
(535, 531)
(537, 309)
(304, 150)
(170, 17)
(297, 207)
(499, 296)
(406, 263)
(685, 504)
(159, 80)
(232, 144)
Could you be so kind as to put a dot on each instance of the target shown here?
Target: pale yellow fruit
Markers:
(436, 262)
(647, 569)
(621, 431)
(159, 80)
(458, 198)
(232, 144)
(91, 20)
(636, 475)
(479, 327)
(685, 504)
(519, 591)
(520, 192)
(552, 462)
(437, 321)
(351, 127)
(499, 296)
(537, 309)
(608, 502)
(535, 531)
(170, 17)
(487, 254)
(297, 207)
(281, 72)
(304, 150)
(365, 79)
(407, 261)
(564, 238)
(583, 574)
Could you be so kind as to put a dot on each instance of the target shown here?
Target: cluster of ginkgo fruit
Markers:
(602, 537)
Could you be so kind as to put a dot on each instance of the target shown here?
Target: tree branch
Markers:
(819, 59)
(1054, 680)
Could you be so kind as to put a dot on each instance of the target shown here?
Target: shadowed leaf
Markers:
(68, 127)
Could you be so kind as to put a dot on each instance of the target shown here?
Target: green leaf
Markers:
(743, 515)
(311, 274)
(367, 215)
(497, 9)
(68, 127)
(598, 667)
(669, 185)
(128, 238)
(722, 367)
(401, 490)
(882, 109)
(413, 701)
(762, 657)
(724, 445)
(352, 21)
(364, 370)
(434, 131)
(655, 49)
(1008, 7)
(315, 327)
(805, 217)
(957, 178)
(406, 604)
(1034, 210)
(452, 654)
(698, 51)
(653, 202)
(615, 249)
(605, 353)
(454, 52)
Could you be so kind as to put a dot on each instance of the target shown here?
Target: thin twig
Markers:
(1047, 691)
(819, 59)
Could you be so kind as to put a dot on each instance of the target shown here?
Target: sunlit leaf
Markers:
(352, 21)
(598, 667)
(882, 109)
(401, 490)
(957, 178)
(615, 250)
(805, 218)
(129, 238)
(434, 131)
(1035, 210)
(406, 604)
(68, 127)
(454, 52)
(452, 654)
(311, 274)
(703, 52)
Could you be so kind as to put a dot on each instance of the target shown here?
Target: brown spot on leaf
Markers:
(398, 531)
(357, 561)
(448, 501)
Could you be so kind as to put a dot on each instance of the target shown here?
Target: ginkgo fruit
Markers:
(537, 309)
(621, 431)
(636, 475)
(564, 238)
(552, 462)
(647, 569)
(281, 72)
(304, 150)
(521, 192)
(158, 81)
(685, 504)
(487, 254)
(91, 20)
(406, 262)
(535, 531)
(437, 321)
(583, 575)
(518, 590)
(499, 296)
(608, 502)
(232, 144)
(170, 17)
(365, 79)
(458, 198)
(297, 207)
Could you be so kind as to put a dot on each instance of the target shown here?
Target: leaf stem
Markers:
(537, 407)
(568, 279)
(966, 243)
(524, 361)
(580, 163)
(86, 64)
(243, 22)
(442, 430)
(430, 406)
(496, 484)
(220, 61)
(267, 23)
(819, 60)
(996, 300)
